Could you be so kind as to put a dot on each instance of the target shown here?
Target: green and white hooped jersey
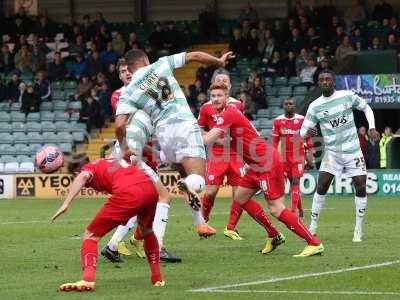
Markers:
(336, 119)
(155, 90)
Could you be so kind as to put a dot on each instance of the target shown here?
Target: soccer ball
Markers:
(49, 159)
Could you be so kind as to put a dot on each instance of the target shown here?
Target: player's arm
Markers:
(205, 58)
(221, 129)
(275, 134)
(308, 127)
(212, 136)
(79, 182)
(361, 104)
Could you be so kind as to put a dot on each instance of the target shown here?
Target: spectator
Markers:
(99, 21)
(336, 39)
(261, 30)
(257, 93)
(90, 113)
(312, 12)
(237, 44)
(204, 74)
(150, 52)
(275, 67)
(307, 73)
(372, 158)
(108, 56)
(355, 13)
(56, 70)
(104, 99)
(19, 28)
(392, 43)
(74, 33)
(249, 109)
(362, 136)
(267, 51)
(344, 49)
(6, 59)
(244, 87)
(157, 38)
(22, 59)
(67, 28)
(376, 44)
(295, 42)
(36, 42)
(84, 86)
(3, 90)
(172, 38)
(102, 38)
(326, 12)
(42, 87)
(386, 137)
(393, 26)
(279, 33)
(382, 10)
(44, 30)
(94, 64)
(314, 41)
(37, 59)
(22, 41)
(113, 77)
(357, 40)
(89, 31)
(79, 47)
(252, 44)
(245, 29)
(248, 13)
(13, 91)
(304, 25)
(322, 66)
(301, 61)
(321, 55)
(30, 101)
(100, 79)
(201, 99)
(118, 44)
(290, 65)
(133, 42)
(78, 68)
(195, 89)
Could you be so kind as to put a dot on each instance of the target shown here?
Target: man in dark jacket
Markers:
(56, 70)
(42, 87)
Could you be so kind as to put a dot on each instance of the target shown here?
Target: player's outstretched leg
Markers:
(235, 213)
(360, 201)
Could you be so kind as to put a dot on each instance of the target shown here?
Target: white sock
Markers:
(197, 216)
(361, 207)
(317, 204)
(160, 222)
(120, 233)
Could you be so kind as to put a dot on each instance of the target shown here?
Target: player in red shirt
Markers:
(221, 161)
(294, 152)
(131, 193)
(266, 172)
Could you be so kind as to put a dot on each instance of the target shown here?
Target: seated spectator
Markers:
(244, 87)
(22, 60)
(133, 42)
(323, 65)
(257, 93)
(91, 114)
(249, 110)
(99, 21)
(18, 28)
(237, 44)
(382, 10)
(204, 74)
(289, 65)
(113, 77)
(78, 68)
(84, 86)
(78, 47)
(56, 70)
(266, 52)
(157, 38)
(99, 80)
(42, 87)
(104, 99)
(248, 13)
(355, 13)
(245, 25)
(375, 44)
(22, 41)
(392, 43)
(44, 30)
(150, 53)
(314, 41)
(262, 28)
(336, 39)
(67, 28)
(94, 64)
(108, 56)
(118, 44)
(37, 60)
(307, 73)
(172, 38)
(36, 42)
(275, 66)
(321, 55)
(13, 91)
(252, 44)
(30, 101)
(326, 13)
(88, 30)
(393, 26)
(343, 50)
(295, 42)
(6, 59)
(195, 89)
(3, 91)
(201, 99)
(102, 38)
(301, 61)
(357, 40)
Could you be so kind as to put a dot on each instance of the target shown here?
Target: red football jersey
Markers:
(208, 118)
(288, 131)
(245, 139)
(108, 176)
(115, 98)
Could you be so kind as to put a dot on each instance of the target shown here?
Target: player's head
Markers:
(326, 81)
(77, 162)
(124, 74)
(289, 106)
(222, 76)
(219, 95)
(136, 59)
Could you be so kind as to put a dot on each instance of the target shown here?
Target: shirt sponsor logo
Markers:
(340, 121)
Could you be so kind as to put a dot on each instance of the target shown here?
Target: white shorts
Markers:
(345, 165)
(180, 140)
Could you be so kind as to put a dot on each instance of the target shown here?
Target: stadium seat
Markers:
(6, 149)
(266, 133)
(48, 126)
(21, 149)
(74, 117)
(15, 107)
(294, 81)
(271, 92)
(268, 81)
(276, 112)
(7, 158)
(34, 148)
(61, 116)
(263, 113)
(33, 127)
(20, 138)
(64, 137)
(57, 85)
(70, 85)
(58, 95)
(78, 127)
(60, 106)
(26, 167)
(18, 127)
(79, 137)
(6, 138)
(63, 126)
(265, 123)
(75, 105)
(33, 117)
(50, 137)
(255, 123)
(11, 167)
(5, 116)
(1, 167)
(300, 91)
(17, 116)
(47, 116)
(285, 91)
(5, 127)
(46, 106)
(24, 158)
(275, 102)
(35, 137)
(65, 147)
(4, 107)
(280, 81)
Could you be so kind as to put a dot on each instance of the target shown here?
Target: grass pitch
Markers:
(37, 256)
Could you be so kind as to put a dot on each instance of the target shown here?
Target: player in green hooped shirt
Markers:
(333, 111)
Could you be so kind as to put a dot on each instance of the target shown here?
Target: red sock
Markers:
(234, 215)
(153, 256)
(294, 224)
(295, 197)
(257, 213)
(207, 205)
(88, 259)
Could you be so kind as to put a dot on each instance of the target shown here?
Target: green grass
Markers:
(37, 256)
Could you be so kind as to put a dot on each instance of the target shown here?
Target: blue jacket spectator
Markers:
(109, 56)
(78, 68)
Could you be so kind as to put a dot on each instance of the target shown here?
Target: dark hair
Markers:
(121, 63)
(327, 71)
(132, 56)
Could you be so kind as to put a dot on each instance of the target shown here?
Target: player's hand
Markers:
(312, 132)
(126, 155)
(310, 161)
(225, 58)
(59, 212)
(374, 134)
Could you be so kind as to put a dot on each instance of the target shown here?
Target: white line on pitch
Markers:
(308, 292)
(307, 275)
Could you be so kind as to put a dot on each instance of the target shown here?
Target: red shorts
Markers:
(271, 182)
(120, 207)
(217, 170)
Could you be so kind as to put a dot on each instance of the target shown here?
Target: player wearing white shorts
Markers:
(155, 90)
(343, 156)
